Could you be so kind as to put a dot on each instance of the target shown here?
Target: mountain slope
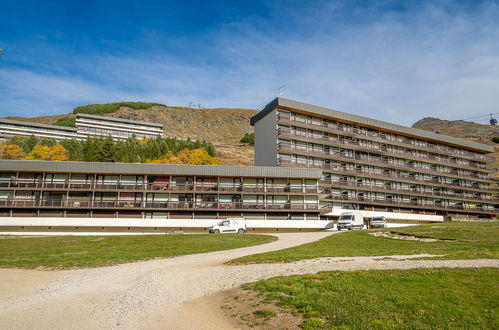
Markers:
(460, 128)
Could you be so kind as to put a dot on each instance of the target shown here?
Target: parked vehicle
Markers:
(229, 225)
(378, 222)
(351, 220)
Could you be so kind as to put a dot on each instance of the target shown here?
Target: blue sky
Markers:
(398, 61)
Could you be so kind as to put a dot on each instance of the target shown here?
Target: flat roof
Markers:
(119, 120)
(38, 125)
(416, 132)
(157, 169)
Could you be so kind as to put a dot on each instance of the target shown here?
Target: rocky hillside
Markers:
(459, 128)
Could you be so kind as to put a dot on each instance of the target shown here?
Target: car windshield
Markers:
(346, 217)
(378, 219)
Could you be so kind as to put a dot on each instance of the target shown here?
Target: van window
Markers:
(346, 217)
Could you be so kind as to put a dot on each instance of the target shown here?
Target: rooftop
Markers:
(158, 169)
(37, 125)
(369, 122)
(119, 120)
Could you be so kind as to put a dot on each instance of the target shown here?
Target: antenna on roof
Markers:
(280, 91)
(493, 121)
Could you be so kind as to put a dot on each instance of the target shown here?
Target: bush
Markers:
(248, 139)
(495, 139)
(106, 108)
(66, 121)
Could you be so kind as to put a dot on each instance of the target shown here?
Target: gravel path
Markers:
(151, 294)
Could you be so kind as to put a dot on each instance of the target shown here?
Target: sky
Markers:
(397, 61)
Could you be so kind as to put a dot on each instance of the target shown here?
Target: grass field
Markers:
(94, 251)
(409, 299)
(468, 240)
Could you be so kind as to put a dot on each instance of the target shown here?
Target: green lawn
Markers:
(94, 251)
(409, 299)
(471, 240)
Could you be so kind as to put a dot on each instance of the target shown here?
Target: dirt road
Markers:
(164, 293)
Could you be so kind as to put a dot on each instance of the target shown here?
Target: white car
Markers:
(378, 222)
(229, 225)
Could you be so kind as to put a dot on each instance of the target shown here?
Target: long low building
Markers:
(85, 126)
(80, 195)
(378, 167)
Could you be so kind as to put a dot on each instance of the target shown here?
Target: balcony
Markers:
(92, 186)
(381, 136)
(419, 204)
(398, 153)
(408, 191)
(383, 175)
(121, 204)
(369, 159)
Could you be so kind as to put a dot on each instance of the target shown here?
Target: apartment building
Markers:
(375, 166)
(86, 126)
(65, 190)
(10, 128)
(119, 129)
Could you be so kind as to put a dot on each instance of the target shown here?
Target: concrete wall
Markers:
(100, 226)
(394, 216)
(266, 140)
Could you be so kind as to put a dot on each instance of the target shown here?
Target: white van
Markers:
(229, 225)
(351, 220)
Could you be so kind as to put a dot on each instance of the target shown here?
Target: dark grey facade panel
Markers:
(37, 125)
(279, 101)
(118, 120)
(158, 169)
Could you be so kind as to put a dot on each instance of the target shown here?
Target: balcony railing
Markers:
(159, 187)
(407, 190)
(389, 138)
(390, 175)
(386, 162)
(69, 203)
(413, 203)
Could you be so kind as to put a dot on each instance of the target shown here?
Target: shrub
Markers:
(66, 121)
(106, 108)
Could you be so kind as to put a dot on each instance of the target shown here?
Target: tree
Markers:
(168, 158)
(29, 143)
(39, 152)
(248, 139)
(58, 153)
(11, 151)
(197, 157)
(106, 152)
(74, 148)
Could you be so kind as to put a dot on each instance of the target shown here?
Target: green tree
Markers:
(248, 139)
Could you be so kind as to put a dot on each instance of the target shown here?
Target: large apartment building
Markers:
(119, 129)
(64, 190)
(375, 166)
(86, 126)
(10, 128)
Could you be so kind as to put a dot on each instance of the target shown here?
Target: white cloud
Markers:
(397, 67)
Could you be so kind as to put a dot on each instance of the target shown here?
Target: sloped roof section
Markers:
(158, 169)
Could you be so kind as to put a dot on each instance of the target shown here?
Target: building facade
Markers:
(378, 167)
(119, 129)
(44, 189)
(86, 126)
(10, 128)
